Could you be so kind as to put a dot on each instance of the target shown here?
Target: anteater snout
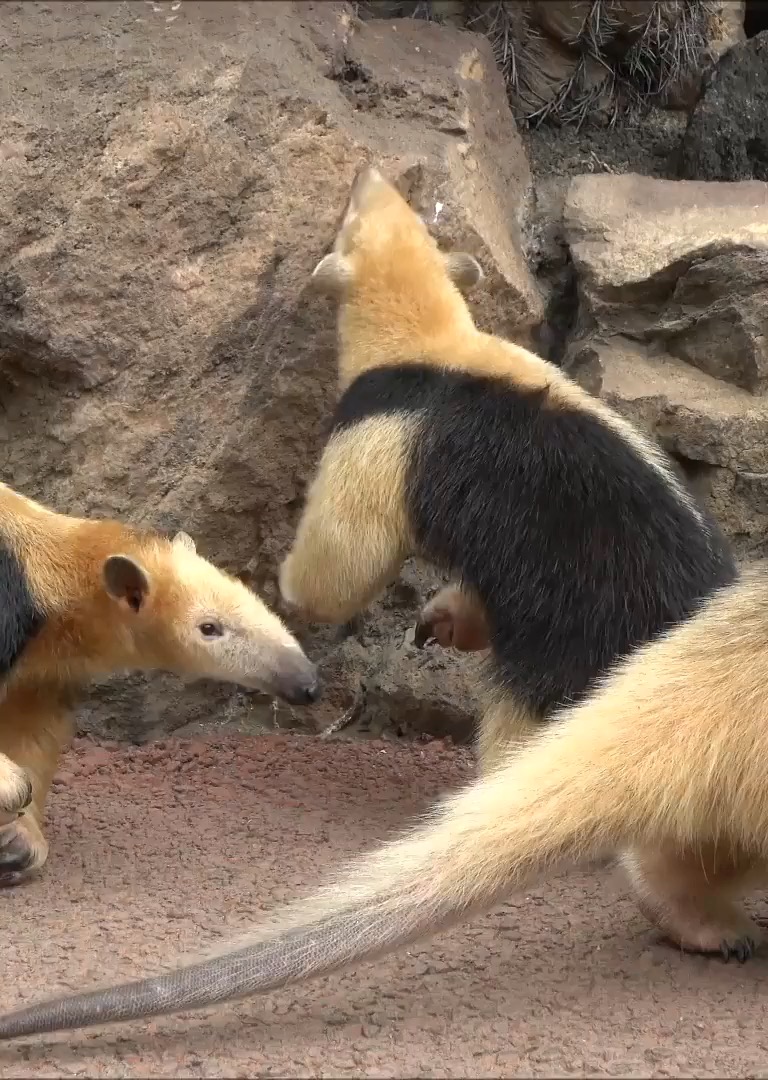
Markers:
(299, 683)
(304, 695)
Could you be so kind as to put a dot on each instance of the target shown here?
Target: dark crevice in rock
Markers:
(755, 17)
(727, 133)
(549, 258)
(552, 335)
(698, 475)
(349, 71)
(567, 323)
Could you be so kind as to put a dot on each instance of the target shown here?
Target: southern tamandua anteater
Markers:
(666, 758)
(478, 456)
(83, 598)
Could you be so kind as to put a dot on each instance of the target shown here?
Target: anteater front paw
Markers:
(23, 850)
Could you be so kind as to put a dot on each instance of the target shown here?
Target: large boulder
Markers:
(171, 173)
(582, 59)
(679, 265)
(727, 133)
(672, 326)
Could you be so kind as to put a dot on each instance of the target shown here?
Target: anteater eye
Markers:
(210, 629)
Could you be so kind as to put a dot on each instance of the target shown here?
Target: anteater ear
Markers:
(126, 581)
(463, 269)
(332, 274)
(182, 539)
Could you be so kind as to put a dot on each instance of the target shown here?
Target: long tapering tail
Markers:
(494, 835)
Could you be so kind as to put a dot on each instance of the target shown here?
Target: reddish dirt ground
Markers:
(168, 847)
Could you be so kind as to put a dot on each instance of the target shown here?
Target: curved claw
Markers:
(422, 634)
(743, 949)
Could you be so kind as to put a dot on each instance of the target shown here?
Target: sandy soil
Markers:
(166, 847)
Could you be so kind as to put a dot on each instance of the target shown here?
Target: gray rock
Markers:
(716, 433)
(430, 692)
(727, 133)
(681, 266)
(672, 327)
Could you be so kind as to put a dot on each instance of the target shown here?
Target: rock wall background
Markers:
(170, 173)
(569, 60)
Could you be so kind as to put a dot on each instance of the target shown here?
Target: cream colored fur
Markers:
(368, 518)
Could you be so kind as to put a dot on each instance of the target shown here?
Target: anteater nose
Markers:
(311, 692)
(301, 689)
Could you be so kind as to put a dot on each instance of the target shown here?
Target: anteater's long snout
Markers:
(294, 678)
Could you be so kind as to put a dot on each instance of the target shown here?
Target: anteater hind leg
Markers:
(693, 897)
(35, 727)
(504, 724)
(455, 618)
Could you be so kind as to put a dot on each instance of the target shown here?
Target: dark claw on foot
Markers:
(422, 635)
(16, 854)
(349, 629)
(742, 950)
(11, 878)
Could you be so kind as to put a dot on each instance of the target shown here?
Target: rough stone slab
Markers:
(717, 433)
(439, 119)
(727, 133)
(623, 230)
(679, 264)
(168, 180)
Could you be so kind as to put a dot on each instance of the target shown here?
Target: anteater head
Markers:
(393, 283)
(174, 610)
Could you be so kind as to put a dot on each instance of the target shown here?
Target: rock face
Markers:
(578, 59)
(673, 313)
(678, 265)
(727, 134)
(171, 173)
